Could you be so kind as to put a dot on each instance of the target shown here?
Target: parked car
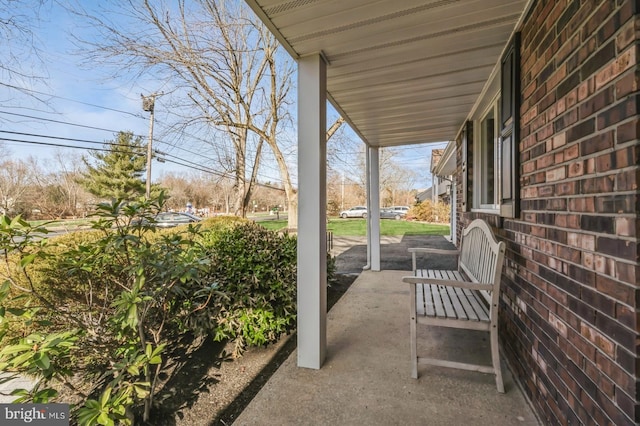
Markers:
(391, 214)
(169, 219)
(400, 209)
(357, 211)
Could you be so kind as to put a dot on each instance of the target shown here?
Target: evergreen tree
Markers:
(117, 173)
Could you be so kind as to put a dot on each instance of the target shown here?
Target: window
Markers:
(509, 130)
(487, 155)
(489, 142)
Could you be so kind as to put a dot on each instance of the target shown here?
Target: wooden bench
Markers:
(463, 298)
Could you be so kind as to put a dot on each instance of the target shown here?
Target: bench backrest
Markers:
(481, 255)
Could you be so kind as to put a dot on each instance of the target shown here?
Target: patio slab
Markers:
(366, 376)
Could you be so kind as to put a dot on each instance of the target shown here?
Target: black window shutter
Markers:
(509, 130)
(467, 166)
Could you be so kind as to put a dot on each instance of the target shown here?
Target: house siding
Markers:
(569, 323)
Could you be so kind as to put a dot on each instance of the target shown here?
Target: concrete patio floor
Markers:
(366, 377)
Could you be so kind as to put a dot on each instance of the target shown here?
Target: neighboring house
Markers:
(427, 194)
(443, 169)
(441, 181)
(542, 99)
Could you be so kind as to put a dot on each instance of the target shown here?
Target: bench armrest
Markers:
(425, 250)
(432, 250)
(450, 283)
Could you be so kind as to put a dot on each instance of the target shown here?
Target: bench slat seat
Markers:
(464, 298)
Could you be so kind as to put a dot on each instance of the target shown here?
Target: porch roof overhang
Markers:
(399, 72)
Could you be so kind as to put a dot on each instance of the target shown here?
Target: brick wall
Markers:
(570, 285)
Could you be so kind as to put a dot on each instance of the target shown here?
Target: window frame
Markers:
(502, 96)
(479, 167)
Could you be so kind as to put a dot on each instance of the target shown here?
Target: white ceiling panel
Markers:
(400, 71)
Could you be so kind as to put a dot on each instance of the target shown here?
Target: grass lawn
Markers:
(62, 222)
(358, 227)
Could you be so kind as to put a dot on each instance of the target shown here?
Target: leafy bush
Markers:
(256, 269)
(428, 211)
(129, 291)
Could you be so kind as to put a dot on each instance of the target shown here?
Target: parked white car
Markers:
(357, 211)
(400, 209)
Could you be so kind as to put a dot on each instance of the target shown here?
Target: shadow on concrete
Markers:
(394, 255)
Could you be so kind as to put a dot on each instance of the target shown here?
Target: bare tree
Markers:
(57, 191)
(212, 57)
(19, 47)
(15, 180)
(223, 69)
(396, 180)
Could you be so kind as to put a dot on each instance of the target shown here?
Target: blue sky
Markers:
(80, 103)
(85, 103)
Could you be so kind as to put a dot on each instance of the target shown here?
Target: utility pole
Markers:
(148, 103)
(342, 198)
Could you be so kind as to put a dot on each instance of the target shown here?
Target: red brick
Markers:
(598, 185)
(576, 169)
(529, 167)
(627, 180)
(556, 174)
(628, 131)
(627, 273)
(572, 152)
(623, 61)
(619, 112)
(597, 338)
(559, 140)
(626, 315)
(600, 15)
(604, 265)
(565, 188)
(545, 161)
(626, 35)
(627, 226)
(586, 89)
(627, 84)
(577, 239)
(605, 162)
(614, 289)
(585, 204)
(597, 102)
(590, 166)
(529, 89)
(580, 130)
(597, 143)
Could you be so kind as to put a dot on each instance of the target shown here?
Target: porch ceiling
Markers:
(400, 71)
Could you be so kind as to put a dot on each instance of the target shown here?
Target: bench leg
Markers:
(495, 357)
(412, 327)
(414, 348)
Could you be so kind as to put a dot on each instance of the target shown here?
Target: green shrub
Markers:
(256, 269)
(129, 291)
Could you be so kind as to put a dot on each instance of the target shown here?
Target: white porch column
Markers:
(367, 192)
(374, 207)
(312, 212)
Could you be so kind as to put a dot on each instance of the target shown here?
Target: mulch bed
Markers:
(208, 387)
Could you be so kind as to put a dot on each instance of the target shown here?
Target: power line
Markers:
(174, 159)
(92, 128)
(57, 138)
(55, 144)
(51, 120)
(72, 100)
